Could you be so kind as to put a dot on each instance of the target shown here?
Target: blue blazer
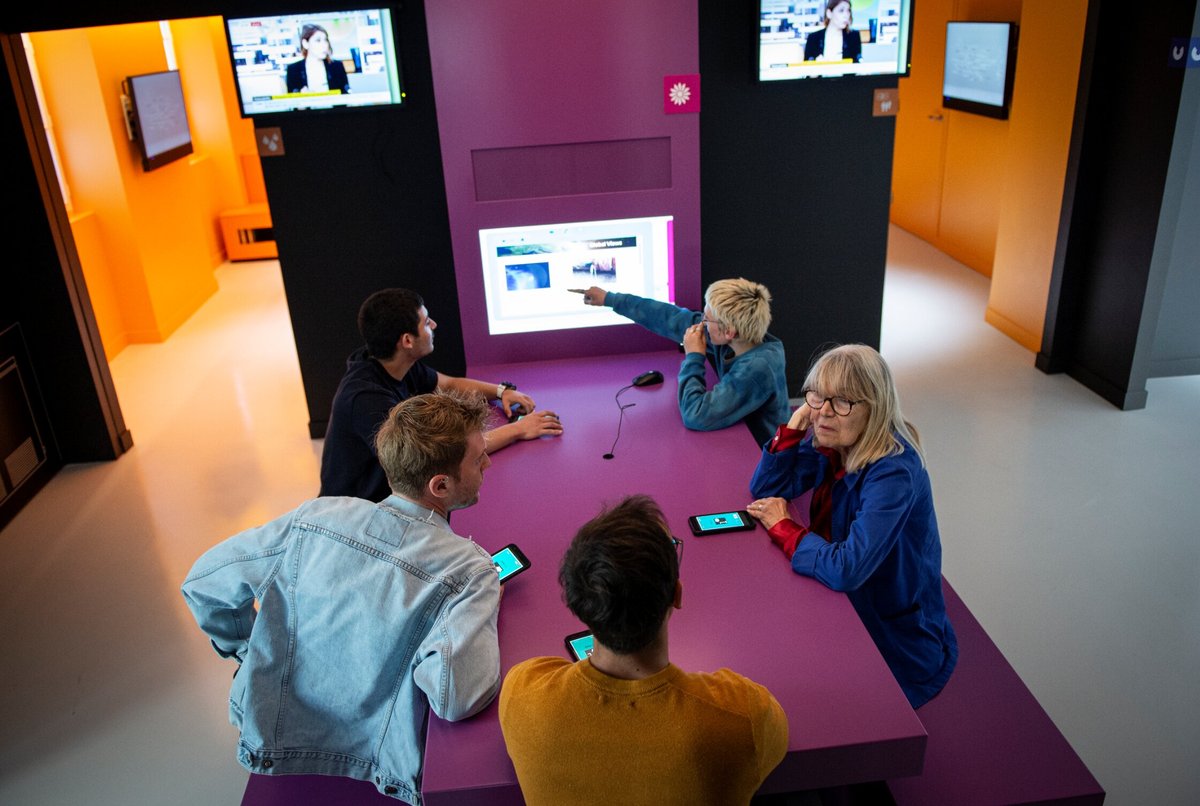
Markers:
(884, 553)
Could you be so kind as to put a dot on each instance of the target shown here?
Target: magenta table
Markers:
(742, 605)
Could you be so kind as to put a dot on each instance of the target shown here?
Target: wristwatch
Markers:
(500, 387)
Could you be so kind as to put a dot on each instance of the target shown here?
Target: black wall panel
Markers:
(37, 291)
(795, 188)
(358, 203)
(1121, 149)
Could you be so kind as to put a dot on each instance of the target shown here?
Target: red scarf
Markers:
(820, 509)
(787, 534)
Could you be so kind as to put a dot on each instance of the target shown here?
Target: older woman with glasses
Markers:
(872, 530)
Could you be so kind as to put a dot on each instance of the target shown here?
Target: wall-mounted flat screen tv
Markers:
(158, 120)
(981, 58)
(833, 38)
(314, 61)
(528, 271)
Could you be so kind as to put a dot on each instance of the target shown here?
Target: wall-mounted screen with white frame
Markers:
(158, 117)
(981, 58)
(528, 272)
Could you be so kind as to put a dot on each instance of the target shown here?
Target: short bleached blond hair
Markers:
(743, 305)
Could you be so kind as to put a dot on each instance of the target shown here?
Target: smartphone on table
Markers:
(716, 523)
(510, 561)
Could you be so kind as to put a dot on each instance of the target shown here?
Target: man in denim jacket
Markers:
(367, 614)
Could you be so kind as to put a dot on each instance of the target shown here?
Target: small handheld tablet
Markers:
(579, 644)
(717, 522)
(509, 561)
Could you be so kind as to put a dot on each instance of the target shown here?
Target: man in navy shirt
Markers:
(398, 334)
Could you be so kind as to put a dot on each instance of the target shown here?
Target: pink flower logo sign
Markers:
(681, 94)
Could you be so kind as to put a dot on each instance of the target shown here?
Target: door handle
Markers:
(935, 117)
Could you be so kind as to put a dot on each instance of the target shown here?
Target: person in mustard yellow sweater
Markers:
(625, 725)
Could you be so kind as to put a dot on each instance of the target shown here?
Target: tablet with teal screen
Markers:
(579, 644)
(717, 522)
(509, 561)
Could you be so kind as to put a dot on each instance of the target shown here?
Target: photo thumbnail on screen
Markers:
(319, 60)
(825, 39)
(528, 271)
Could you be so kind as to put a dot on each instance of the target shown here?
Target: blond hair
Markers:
(857, 372)
(425, 436)
(743, 305)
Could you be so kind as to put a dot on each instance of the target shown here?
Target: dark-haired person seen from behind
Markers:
(398, 334)
(317, 71)
(625, 725)
(349, 620)
(873, 531)
(836, 41)
(732, 334)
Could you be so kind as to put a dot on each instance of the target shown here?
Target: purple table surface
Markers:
(743, 608)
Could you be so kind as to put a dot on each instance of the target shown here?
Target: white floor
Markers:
(1069, 529)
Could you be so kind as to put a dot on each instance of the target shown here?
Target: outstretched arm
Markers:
(530, 426)
(662, 318)
(488, 390)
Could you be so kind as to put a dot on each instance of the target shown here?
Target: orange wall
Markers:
(920, 146)
(75, 101)
(168, 230)
(203, 62)
(99, 276)
(241, 130)
(976, 154)
(1039, 139)
(998, 185)
(957, 163)
(151, 239)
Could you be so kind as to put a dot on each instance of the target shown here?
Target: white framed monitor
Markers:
(981, 60)
(528, 272)
(157, 117)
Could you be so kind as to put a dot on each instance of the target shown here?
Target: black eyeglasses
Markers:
(678, 550)
(841, 406)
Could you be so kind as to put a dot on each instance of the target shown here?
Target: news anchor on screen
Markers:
(837, 41)
(317, 71)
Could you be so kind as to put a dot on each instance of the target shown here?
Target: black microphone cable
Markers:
(621, 407)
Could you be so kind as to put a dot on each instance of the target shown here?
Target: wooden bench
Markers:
(990, 742)
(247, 233)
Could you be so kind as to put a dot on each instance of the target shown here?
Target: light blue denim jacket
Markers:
(750, 387)
(368, 615)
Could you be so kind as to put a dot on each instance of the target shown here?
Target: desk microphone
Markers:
(621, 407)
(645, 379)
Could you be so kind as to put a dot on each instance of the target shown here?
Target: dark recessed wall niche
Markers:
(795, 184)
